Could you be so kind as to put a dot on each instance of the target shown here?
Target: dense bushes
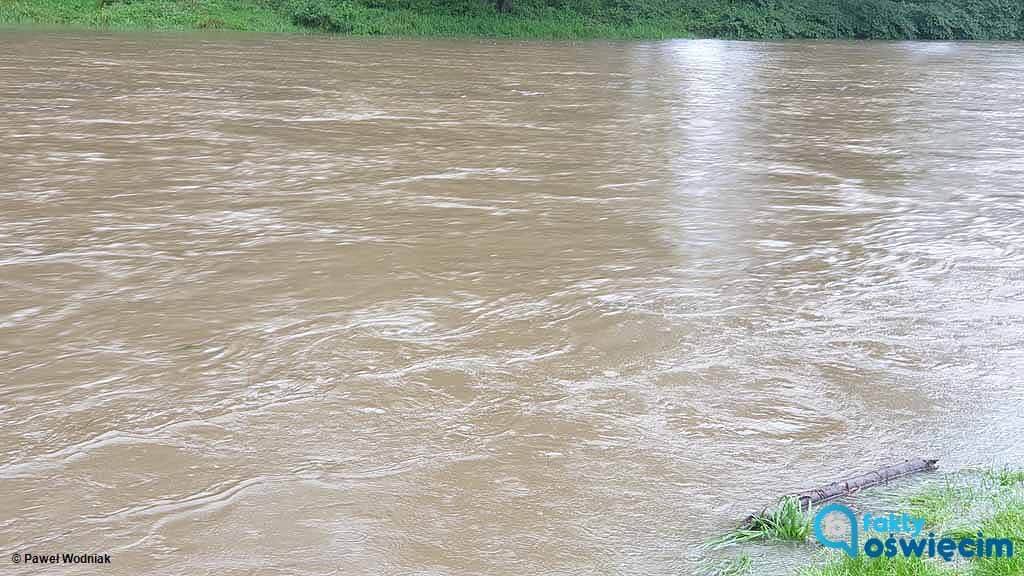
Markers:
(317, 14)
(860, 19)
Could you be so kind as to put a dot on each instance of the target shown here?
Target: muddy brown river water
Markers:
(295, 305)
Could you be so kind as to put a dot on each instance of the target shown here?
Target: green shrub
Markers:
(321, 15)
(879, 19)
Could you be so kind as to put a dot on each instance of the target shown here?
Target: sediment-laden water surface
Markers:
(290, 305)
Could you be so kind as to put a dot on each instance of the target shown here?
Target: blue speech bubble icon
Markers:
(850, 547)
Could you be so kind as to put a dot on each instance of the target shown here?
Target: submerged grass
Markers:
(864, 566)
(993, 505)
(1008, 477)
(739, 566)
(1008, 523)
(941, 503)
(956, 506)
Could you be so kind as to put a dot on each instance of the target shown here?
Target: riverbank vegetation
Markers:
(785, 521)
(955, 506)
(749, 19)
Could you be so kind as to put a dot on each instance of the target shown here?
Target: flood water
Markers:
(290, 305)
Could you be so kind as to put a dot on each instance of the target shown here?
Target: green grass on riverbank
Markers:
(956, 506)
(881, 19)
(1004, 520)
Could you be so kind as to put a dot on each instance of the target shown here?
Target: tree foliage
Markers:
(861, 19)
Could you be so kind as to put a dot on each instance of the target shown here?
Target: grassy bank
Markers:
(956, 506)
(769, 19)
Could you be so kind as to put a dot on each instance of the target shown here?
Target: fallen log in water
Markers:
(862, 481)
(854, 484)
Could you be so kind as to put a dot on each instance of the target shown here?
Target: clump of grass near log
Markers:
(954, 505)
(786, 521)
(791, 518)
(1007, 522)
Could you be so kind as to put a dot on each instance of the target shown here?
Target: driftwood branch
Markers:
(857, 483)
